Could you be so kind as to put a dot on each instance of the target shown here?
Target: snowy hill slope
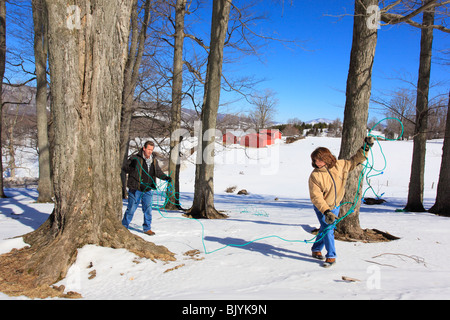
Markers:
(278, 265)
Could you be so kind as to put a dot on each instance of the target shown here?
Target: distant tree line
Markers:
(295, 127)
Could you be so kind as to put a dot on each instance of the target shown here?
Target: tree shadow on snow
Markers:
(263, 248)
(19, 210)
(265, 222)
(266, 201)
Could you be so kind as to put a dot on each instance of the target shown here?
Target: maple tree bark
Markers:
(359, 86)
(87, 52)
(203, 204)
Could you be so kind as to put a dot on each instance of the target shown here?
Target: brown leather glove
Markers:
(329, 217)
(368, 143)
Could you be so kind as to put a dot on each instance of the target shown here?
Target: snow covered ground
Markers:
(278, 214)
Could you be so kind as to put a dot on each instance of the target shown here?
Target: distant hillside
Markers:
(23, 99)
(319, 120)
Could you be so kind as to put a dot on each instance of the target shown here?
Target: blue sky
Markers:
(310, 82)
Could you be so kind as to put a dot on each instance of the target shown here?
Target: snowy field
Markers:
(278, 214)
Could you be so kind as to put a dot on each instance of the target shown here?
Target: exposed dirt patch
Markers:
(15, 281)
(194, 255)
(366, 236)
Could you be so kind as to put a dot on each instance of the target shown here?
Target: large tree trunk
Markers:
(359, 84)
(416, 182)
(131, 75)
(86, 67)
(442, 204)
(45, 187)
(203, 204)
(177, 86)
(2, 74)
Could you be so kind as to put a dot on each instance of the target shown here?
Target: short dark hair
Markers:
(149, 143)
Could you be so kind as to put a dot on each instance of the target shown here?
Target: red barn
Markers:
(270, 140)
(229, 138)
(273, 133)
(254, 140)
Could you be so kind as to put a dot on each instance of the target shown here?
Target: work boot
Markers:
(317, 255)
(329, 262)
(149, 232)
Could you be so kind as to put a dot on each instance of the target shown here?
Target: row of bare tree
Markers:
(94, 50)
(368, 15)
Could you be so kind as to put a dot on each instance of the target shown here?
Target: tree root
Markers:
(366, 236)
(33, 270)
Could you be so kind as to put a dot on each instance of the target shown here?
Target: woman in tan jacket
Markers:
(327, 188)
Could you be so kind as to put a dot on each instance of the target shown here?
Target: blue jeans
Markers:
(134, 197)
(326, 241)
